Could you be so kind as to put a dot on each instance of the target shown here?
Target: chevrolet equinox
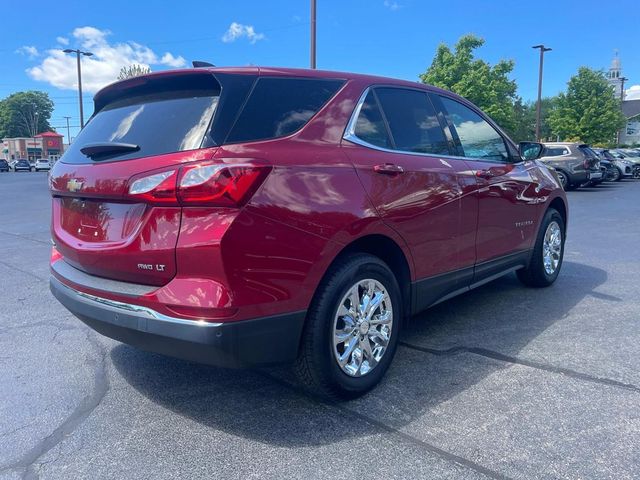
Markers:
(255, 216)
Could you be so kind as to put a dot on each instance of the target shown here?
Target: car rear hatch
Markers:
(591, 160)
(142, 126)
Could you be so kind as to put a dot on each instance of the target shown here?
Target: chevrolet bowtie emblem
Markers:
(74, 185)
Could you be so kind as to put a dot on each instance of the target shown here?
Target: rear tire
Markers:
(616, 176)
(564, 179)
(548, 252)
(346, 347)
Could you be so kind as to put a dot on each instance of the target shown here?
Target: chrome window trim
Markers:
(350, 136)
(135, 309)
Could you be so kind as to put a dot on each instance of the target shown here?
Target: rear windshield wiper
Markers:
(96, 150)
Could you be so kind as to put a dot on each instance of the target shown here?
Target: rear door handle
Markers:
(388, 169)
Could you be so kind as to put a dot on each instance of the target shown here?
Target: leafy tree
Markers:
(589, 110)
(134, 70)
(25, 114)
(525, 120)
(489, 87)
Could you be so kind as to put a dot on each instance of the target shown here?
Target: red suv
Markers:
(252, 216)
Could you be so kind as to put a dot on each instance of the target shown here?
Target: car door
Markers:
(401, 153)
(506, 192)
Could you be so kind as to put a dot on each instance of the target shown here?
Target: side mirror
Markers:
(530, 150)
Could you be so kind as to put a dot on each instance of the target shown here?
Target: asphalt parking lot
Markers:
(502, 382)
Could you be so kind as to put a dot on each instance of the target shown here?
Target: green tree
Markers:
(134, 70)
(25, 114)
(589, 110)
(525, 120)
(489, 87)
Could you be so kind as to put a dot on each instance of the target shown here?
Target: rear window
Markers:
(158, 123)
(588, 152)
(280, 106)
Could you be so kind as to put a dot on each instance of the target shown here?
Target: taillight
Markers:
(156, 188)
(219, 184)
(209, 184)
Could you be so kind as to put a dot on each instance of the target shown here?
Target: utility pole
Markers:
(313, 35)
(86, 54)
(622, 80)
(539, 104)
(35, 140)
(68, 131)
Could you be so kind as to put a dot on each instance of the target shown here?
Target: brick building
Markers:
(44, 145)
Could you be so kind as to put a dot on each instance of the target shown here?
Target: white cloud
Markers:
(170, 60)
(62, 40)
(29, 51)
(238, 30)
(392, 5)
(632, 93)
(59, 69)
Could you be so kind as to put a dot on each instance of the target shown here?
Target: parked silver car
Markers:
(575, 163)
(630, 158)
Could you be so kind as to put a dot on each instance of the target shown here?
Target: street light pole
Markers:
(539, 104)
(313, 35)
(78, 53)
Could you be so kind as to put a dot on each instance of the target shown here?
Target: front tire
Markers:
(548, 252)
(352, 329)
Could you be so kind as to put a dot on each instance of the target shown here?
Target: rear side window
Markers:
(370, 125)
(412, 120)
(280, 106)
(478, 138)
(157, 123)
(555, 151)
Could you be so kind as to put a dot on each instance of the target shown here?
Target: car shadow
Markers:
(261, 406)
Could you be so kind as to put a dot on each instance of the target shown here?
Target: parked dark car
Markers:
(613, 173)
(290, 215)
(4, 165)
(575, 163)
(22, 166)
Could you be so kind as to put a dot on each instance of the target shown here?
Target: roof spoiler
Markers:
(201, 64)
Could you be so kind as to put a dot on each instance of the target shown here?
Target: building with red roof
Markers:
(44, 145)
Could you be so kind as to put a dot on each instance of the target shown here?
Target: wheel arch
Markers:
(390, 252)
(559, 204)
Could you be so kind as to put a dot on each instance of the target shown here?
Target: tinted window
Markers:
(588, 152)
(370, 126)
(412, 120)
(158, 123)
(280, 106)
(477, 137)
(555, 151)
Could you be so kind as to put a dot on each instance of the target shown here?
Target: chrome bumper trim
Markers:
(136, 310)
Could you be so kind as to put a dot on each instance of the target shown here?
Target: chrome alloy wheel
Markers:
(362, 327)
(552, 248)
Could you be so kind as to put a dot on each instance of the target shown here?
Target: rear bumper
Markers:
(264, 341)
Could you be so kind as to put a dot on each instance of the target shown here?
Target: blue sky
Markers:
(395, 38)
